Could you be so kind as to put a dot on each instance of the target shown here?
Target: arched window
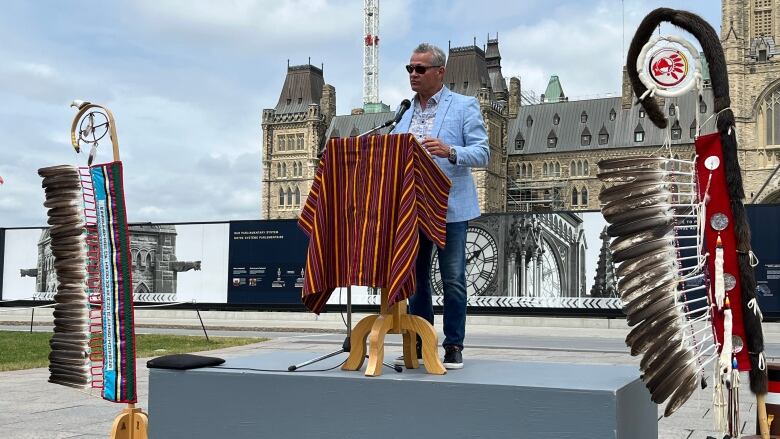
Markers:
(297, 196)
(557, 169)
(278, 169)
(579, 168)
(300, 141)
(584, 196)
(284, 169)
(148, 260)
(586, 168)
(544, 170)
(572, 169)
(281, 197)
(574, 196)
(769, 119)
(281, 143)
(530, 170)
(289, 197)
(300, 168)
(522, 170)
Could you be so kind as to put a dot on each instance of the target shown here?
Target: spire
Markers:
(605, 282)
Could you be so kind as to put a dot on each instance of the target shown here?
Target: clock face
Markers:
(481, 263)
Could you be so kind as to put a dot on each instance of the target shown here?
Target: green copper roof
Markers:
(554, 91)
(376, 107)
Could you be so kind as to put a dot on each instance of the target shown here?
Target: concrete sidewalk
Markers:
(32, 408)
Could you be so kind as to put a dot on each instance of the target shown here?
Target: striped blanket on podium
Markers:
(370, 198)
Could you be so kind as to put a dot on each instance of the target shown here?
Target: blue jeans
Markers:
(452, 265)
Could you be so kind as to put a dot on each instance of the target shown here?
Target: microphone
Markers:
(405, 105)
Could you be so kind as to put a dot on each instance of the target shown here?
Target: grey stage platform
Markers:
(487, 399)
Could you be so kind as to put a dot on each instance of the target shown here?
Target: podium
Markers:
(393, 320)
(371, 197)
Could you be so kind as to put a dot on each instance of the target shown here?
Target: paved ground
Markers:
(32, 408)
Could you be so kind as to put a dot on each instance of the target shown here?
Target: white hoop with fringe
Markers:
(665, 72)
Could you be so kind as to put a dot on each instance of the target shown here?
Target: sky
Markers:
(187, 80)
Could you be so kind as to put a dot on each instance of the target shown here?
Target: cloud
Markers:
(295, 24)
(187, 81)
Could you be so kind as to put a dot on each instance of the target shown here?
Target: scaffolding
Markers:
(534, 196)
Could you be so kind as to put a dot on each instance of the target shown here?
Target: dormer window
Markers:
(529, 121)
(519, 141)
(289, 101)
(693, 130)
(672, 110)
(552, 139)
(603, 136)
(465, 85)
(702, 107)
(300, 100)
(676, 130)
(584, 117)
(639, 133)
(585, 137)
(641, 113)
(556, 119)
(612, 114)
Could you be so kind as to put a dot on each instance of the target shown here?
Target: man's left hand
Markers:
(436, 147)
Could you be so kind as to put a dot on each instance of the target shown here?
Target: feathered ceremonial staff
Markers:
(93, 345)
(647, 216)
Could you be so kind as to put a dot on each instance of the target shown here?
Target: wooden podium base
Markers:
(131, 423)
(393, 320)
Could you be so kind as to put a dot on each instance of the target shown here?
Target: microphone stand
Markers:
(347, 344)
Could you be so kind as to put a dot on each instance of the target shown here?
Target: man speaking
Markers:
(450, 127)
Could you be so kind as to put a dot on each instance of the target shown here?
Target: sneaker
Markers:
(399, 361)
(453, 358)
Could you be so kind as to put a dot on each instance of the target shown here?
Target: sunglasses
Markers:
(420, 70)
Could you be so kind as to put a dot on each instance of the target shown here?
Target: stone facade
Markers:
(293, 136)
(749, 32)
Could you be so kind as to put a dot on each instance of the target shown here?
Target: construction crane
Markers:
(371, 52)
(371, 102)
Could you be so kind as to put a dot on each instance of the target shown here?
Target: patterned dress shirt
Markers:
(422, 120)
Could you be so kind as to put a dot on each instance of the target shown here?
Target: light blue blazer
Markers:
(459, 124)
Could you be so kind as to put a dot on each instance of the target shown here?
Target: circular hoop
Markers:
(665, 70)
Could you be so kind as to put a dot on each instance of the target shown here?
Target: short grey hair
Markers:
(439, 58)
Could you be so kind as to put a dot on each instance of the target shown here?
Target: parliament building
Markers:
(544, 149)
